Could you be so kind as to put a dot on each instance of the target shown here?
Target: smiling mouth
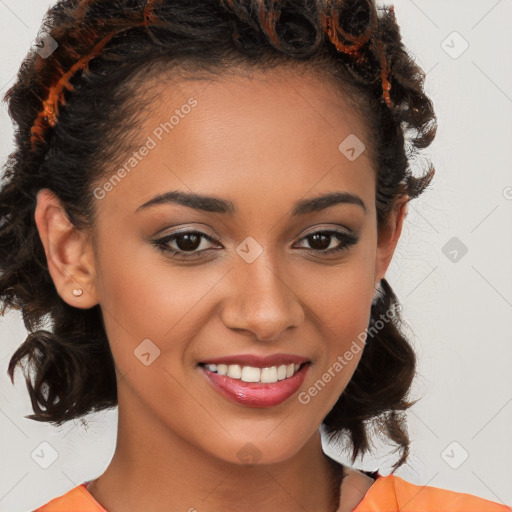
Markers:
(252, 386)
(248, 373)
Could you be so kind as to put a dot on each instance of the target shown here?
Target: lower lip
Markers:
(256, 394)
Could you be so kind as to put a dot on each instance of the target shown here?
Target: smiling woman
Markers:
(204, 200)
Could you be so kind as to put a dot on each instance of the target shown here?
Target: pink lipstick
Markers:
(287, 372)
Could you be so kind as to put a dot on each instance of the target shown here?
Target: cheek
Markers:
(144, 296)
(340, 298)
(341, 295)
(135, 288)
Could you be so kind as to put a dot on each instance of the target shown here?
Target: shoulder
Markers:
(392, 493)
(77, 499)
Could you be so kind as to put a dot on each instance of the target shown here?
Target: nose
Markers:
(261, 300)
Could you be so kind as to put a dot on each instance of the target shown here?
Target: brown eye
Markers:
(321, 241)
(185, 242)
(188, 241)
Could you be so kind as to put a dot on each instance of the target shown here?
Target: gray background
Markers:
(458, 306)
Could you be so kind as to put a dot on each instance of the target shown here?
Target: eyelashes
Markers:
(189, 236)
(192, 240)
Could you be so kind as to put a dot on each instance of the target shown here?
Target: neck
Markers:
(162, 472)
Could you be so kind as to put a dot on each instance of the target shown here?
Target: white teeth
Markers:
(253, 374)
(281, 372)
(234, 371)
(269, 374)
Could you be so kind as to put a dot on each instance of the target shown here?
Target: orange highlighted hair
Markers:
(330, 23)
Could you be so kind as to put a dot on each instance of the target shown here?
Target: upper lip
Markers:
(258, 361)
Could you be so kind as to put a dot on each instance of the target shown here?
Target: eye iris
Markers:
(316, 237)
(192, 241)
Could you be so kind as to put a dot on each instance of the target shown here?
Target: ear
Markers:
(388, 238)
(68, 252)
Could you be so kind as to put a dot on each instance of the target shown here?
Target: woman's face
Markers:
(258, 274)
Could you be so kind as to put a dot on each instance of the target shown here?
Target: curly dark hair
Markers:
(106, 52)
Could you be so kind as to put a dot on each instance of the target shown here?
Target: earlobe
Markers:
(389, 236)
(69, 262)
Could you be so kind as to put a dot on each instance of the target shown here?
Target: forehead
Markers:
(254, 138)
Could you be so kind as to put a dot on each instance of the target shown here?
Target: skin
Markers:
(263, 143)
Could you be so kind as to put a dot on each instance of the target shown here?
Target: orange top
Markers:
(387, 494)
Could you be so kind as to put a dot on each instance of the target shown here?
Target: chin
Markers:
(258, 450)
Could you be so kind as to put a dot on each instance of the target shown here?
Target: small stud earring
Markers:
(77, 292)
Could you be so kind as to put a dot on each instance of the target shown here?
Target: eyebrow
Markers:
(218, 205)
